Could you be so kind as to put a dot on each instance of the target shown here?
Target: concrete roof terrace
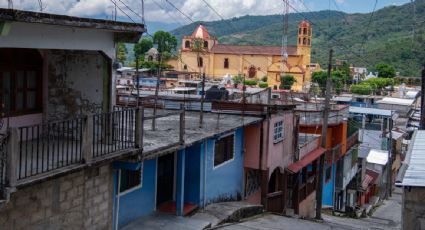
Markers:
(167, 129)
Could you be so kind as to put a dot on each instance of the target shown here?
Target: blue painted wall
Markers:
(138, 202)
(224, 182)
(192, 183)
(328, 188)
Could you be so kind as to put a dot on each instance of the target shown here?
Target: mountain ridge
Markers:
(361, 39)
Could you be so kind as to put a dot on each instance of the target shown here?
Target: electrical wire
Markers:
(367, 27)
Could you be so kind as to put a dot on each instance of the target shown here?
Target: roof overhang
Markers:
(124, 31)
(306, 160)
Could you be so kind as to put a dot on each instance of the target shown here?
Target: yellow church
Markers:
(254, 62)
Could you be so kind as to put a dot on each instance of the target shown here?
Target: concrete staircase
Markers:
(227, 212)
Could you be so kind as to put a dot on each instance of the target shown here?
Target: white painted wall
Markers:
(41, 36)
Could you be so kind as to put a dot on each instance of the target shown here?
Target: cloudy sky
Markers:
(161, 14)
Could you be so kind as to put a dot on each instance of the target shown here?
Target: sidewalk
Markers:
(227, 212)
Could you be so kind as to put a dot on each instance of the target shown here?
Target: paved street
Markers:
(386, 216)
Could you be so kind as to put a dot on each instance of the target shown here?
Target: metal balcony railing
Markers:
(31, 153)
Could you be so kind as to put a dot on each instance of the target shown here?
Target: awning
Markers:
(370, 178)
(306, 160)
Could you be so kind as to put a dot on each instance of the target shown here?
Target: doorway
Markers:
(165, 179)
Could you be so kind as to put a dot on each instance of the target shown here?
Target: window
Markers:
(305, 31)
(187, 44)
(328, 174)
(20, 81)
(252, 72)
(185, 67)
(278, 132)
(226, 63)
(224, 149)
(200, 62)
(205, 44)
(130, 179)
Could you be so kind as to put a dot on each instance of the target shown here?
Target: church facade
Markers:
(201, 52)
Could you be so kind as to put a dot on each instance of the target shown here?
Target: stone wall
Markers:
(413, 210)
(81, 200)
(75, 83)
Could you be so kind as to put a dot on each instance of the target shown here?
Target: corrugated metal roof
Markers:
(395, 101)
(376, 156)
(414, 175)
(371, 111)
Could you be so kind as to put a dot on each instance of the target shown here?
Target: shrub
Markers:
(263, 85)
(250, 82)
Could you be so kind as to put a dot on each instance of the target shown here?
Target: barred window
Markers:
(278, 132)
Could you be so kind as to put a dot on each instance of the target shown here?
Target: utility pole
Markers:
(201, 114)
(137, 82)
(319, 189)
(390, 155)
(422, 125)
(158, 78)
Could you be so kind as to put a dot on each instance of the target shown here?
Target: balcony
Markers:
(43, 150)
(312, 114)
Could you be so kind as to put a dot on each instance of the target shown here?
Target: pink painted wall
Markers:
(252, 147)
(281, 154)
(313, 144)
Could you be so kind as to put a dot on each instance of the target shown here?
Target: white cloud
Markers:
(157, 10)
(340, 1)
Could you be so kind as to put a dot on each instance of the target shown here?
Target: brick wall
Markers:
(81, 200)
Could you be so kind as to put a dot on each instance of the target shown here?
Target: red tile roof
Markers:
(306, 160)
(250, 49)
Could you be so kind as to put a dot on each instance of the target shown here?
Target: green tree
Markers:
(237, 79)
(287, 81)
(385, 70)
(142, 47)
(363, 89)
(121, 52)
(166, 43)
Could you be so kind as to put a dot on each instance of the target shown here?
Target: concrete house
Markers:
(207, 167)
(302, 176)
(56, 82)
(270, 149)
(311, 119)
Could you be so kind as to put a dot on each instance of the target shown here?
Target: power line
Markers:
(122, 11)
(175, 7)
(367, 27)
(165, 10)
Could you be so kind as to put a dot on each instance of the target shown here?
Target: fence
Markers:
(50, 146)
(114, 131)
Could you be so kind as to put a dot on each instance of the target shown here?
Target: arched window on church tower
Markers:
(185, 67)
(205, 44)
(187, 44)
(299, 41)
(305, 41)
(305, 31)
(299, 31)
(308, 42)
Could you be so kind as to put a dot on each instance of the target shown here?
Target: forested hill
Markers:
(362, 39)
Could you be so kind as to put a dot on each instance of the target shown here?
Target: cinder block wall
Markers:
(413, 210)
(80, 200)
